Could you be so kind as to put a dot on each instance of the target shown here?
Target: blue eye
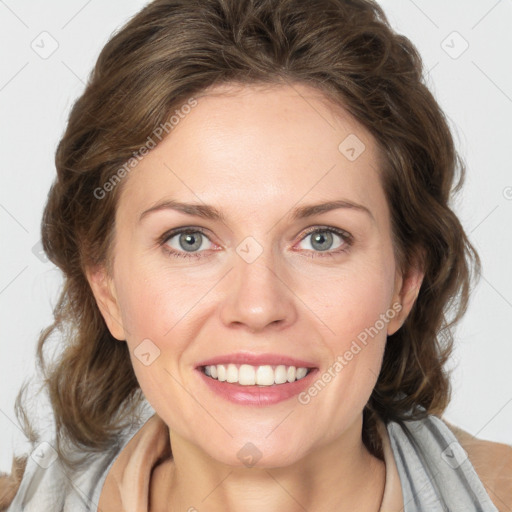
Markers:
(328, 240)
(186, 241)
(192, 242)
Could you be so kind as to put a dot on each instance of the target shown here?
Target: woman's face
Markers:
(266, 277)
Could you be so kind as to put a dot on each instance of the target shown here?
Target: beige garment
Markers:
(126, 488)
(493, 464)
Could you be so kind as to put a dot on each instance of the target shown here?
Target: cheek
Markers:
(360, 314)
(157, 308)
(357, 309)
(354, 302)
(357, 318)
(154, 301)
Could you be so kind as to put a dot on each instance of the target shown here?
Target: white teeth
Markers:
(248, 375)
(221, 372)
(281, 374)
(301, 372)
(265, 376)
(232, 373)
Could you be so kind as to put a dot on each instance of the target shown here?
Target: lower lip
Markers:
(258, 395)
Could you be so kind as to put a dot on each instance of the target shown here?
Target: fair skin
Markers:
(255, 154)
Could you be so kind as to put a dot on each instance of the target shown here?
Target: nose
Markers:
(257, 296)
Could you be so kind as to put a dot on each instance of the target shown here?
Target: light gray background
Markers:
(474, 88)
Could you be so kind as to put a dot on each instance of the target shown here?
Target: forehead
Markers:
(252, 146)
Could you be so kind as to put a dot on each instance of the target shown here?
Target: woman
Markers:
(252, 216)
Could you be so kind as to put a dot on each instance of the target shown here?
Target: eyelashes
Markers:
(181, 231)
(343, 236)
(195, 235)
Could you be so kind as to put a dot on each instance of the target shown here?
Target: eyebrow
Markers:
(210, 212)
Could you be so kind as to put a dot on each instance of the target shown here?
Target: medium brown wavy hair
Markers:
(175, 49)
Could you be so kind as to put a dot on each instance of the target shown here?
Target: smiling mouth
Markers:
(249, 375)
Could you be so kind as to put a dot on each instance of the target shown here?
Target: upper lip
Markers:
(257, 360)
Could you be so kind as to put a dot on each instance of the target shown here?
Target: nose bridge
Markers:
(257, 295)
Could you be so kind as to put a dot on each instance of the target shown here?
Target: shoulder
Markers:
(45, 480)
(42, 481)
(493, 464)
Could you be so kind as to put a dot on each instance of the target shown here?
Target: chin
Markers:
(254, 454)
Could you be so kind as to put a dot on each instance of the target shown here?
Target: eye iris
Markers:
(321, 237)
(190, 242)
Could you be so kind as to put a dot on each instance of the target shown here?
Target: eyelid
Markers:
(172, 252)
(344, 235)
(348, 240)
(340, 232)
(183, 229)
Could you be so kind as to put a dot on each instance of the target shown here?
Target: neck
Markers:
(341, 475)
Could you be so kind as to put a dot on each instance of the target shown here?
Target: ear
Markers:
(103, 289)
(407, 288)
